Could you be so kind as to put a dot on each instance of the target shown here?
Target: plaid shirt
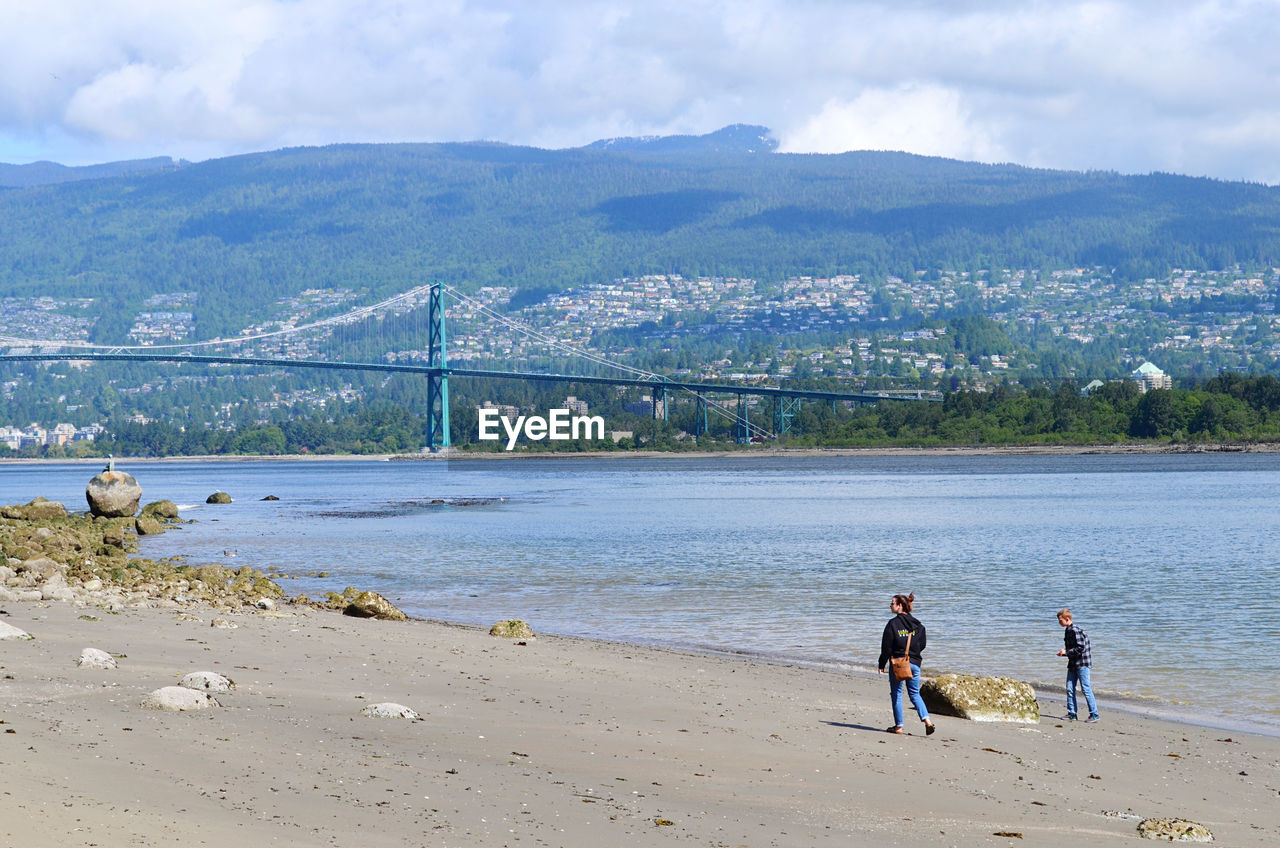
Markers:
(1079, 652)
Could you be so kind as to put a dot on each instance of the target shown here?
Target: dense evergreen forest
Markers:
(246, 230)
(1229, 408)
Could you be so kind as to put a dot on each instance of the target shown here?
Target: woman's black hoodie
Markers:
(894, 641)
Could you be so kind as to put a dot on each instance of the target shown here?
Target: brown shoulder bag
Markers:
(900, 667)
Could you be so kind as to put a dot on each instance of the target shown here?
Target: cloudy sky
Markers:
(1127, 85)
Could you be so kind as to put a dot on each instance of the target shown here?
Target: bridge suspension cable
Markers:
(551, 341)
(344, 318)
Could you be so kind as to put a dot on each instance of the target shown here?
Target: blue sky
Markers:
(1127, 85)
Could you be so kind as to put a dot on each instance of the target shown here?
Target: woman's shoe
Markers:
(929, 728)
(897, 728)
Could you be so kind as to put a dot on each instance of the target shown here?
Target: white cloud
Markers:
(925, 119)
(1132, 85)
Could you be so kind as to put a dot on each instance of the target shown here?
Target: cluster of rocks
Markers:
(50, 554)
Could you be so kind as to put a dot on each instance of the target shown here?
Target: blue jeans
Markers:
(1080, 675)
(913, 689)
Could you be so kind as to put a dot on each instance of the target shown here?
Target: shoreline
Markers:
(1050, 692)
(521, 744)
(1135, 449)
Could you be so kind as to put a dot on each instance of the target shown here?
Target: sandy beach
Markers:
(558, 742)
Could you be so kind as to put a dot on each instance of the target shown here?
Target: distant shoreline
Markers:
(1135, 449)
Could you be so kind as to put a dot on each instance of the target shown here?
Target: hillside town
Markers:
(894, 331)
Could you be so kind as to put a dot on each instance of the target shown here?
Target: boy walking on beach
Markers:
(1079, 660)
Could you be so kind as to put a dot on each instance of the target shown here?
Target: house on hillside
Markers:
(1148, 377)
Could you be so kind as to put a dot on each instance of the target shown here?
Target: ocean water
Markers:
(1170, 563)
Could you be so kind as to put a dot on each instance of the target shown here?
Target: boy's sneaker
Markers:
(1091, 718)
(1071, 716)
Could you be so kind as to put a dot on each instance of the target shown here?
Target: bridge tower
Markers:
(783, 410)
(437, 380)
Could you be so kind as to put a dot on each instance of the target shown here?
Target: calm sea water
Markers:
(1171, 563)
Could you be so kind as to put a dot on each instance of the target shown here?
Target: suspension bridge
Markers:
(705, 395)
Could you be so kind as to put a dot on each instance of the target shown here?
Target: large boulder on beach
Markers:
(176, 699)
(981, 698)
(373, 605)
(113, 494)
(1174, 830)
(512, 628)
(218, 498)
(207, 681)
(39, 509)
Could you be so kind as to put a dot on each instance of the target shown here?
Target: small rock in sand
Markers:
(8, 631)
(94, 658)
(176, 699)
(223, 624)
(389, 710)
(1174, 830)
(207, 681)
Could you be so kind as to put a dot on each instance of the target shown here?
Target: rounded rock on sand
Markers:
(95, 658)
(8, 631)
(223, 624)
(512, 628)
(373, 605)
(389, 710)
(207, 681)
(176, 699)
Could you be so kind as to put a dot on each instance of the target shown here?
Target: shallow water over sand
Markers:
(1171, 563)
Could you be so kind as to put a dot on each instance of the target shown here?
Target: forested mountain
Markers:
(245, 230)
(44, 173)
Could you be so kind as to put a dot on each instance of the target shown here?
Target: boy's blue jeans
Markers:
(913, 689)
(1080, 675)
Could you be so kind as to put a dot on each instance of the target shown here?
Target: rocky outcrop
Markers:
(113, 494)
(207, 681)
(1174, 830)
(512, 628)
(981, 698)
(389, 710)
(39, 509)
(176, 699)
(373, 605)
(95, 658)
(218, 498)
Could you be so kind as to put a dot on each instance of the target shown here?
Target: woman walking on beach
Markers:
(904, 637)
